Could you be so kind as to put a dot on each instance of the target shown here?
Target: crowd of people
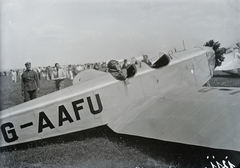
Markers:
(70, 70)
(30, 77)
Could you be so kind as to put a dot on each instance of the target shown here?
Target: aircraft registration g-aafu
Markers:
(163, 101)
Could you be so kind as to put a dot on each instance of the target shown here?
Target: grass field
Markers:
(99, 147)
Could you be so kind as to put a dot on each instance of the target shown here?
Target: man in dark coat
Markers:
(30, 83)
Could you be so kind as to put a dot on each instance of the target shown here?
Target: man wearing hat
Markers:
(115, 69)
(30, 83)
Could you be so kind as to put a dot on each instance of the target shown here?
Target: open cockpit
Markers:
(155, 62)
(160, 61)
(137, 64)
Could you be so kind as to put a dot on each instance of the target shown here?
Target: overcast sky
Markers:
(75, 31)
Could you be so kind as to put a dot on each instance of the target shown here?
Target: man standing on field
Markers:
(59, 75)
(30, 83)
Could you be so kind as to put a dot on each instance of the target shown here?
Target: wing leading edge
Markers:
(198, 116)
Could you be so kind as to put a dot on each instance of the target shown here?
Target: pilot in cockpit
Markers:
(115, 69)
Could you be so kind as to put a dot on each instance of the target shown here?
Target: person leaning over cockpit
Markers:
(116, 71)
(125, 64)
(146, 60)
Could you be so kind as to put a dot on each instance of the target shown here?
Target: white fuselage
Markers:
(99, 100)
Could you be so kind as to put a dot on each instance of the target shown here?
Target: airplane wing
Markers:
(229, 66)
(231, 61)
(207, 117)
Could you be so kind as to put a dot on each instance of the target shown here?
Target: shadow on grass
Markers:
(171, 153)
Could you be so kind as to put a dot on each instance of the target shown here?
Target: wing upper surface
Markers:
(197, 116)
(229, 66)
(87, 75)
(231, 61)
